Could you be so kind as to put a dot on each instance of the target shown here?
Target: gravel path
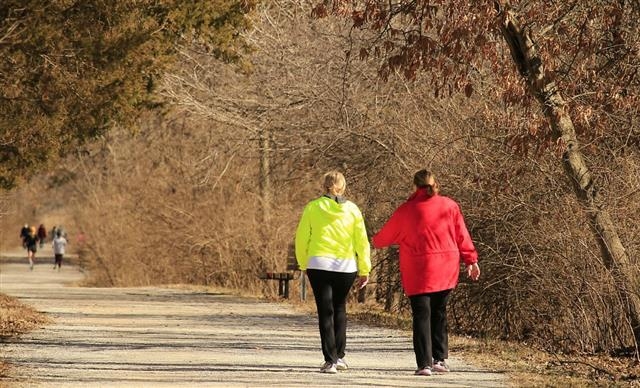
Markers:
(154, 337)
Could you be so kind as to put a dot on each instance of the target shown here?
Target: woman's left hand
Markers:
(362, 281)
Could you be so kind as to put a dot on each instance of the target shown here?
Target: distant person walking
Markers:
(332, 247)
(42, 235)
(433, 238)
(31, 242)
(24, 232)
(59, 246)
(62, 231)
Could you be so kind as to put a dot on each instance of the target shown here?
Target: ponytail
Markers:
(424, 179)
(334, 183)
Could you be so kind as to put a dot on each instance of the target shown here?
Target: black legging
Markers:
(330, 290)
(430, 332)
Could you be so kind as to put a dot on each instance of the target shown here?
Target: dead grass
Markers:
(525, 365)
(16, 318)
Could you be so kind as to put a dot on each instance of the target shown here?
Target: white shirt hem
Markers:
(332, 264)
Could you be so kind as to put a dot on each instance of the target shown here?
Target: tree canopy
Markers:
(590, 50)
(70, 70)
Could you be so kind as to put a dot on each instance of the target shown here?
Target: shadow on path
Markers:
(164, 337)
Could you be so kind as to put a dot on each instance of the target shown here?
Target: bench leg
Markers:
(281, 287)
(286, 289)
(303, 286)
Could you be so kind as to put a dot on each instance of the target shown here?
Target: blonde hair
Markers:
(425, 179)
(334, 183)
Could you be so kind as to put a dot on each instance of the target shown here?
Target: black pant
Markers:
(330, 290)
(430, 332)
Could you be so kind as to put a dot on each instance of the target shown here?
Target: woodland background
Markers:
(206, 185)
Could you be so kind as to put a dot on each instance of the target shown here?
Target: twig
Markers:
(587, 364)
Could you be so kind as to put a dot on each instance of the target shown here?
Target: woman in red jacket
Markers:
(433, 238)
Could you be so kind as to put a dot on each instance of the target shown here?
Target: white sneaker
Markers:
(341, 364)
(328, 367)
(423, 372)
(441, 367)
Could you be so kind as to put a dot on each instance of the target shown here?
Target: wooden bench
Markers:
(283, 278)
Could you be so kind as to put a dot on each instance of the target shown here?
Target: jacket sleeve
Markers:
(468, 252)
(361, 244)
(303, 233)
(390, 232)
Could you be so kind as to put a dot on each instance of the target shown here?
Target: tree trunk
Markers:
(265, 177)
(531, 68)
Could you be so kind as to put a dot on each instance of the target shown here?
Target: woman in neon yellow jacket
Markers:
(333, 248)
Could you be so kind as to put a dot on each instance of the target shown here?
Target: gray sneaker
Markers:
(441, 367)
(328, 367)
(341, 364)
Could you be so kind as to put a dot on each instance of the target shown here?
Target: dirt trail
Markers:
(153, 337)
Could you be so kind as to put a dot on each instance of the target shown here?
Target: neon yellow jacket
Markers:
(332, 230)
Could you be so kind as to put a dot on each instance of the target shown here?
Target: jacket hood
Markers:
(420, 194)
(332, 207)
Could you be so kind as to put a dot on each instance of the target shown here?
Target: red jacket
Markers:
(433, 239)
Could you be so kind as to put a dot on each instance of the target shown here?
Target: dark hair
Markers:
(422, 180)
